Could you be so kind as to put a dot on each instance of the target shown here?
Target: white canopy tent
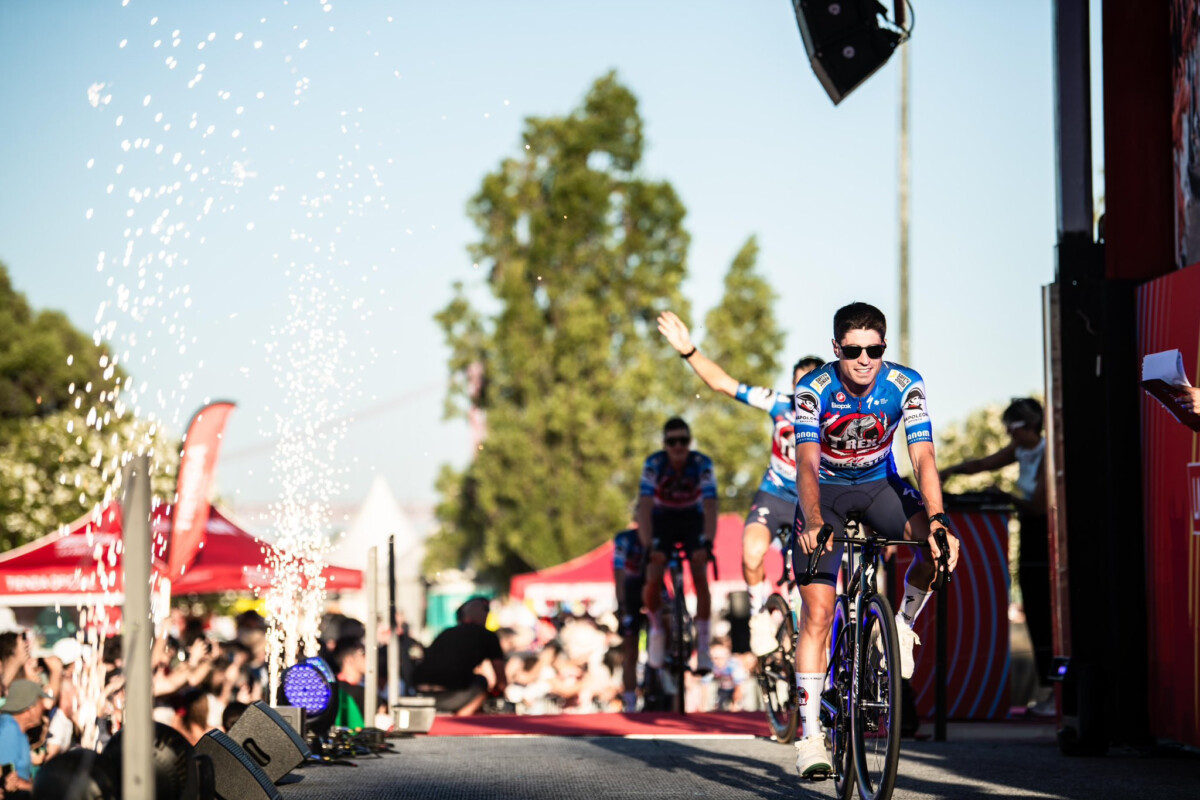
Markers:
(379, 517)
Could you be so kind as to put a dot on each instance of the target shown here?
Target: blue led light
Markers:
(309, 685)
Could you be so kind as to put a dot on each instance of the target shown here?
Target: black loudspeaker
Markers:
(844, 41)
(236, 775)
(271, 742)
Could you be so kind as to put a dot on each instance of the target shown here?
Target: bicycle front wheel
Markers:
(837, 693)
(875, 702)
(777, 675)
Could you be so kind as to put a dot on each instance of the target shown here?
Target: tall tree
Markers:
(581, 253)
(742, 335)
(46, 364)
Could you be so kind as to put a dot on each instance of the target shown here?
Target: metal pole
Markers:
(137, 764)
(371, 692)
(939, 679)
(393, 654)
(905, 330)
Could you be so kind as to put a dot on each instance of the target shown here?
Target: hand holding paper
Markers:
(1164, 379)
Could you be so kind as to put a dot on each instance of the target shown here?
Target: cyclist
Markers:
(775, 500)
(846, 415)
(629, 576)
(677, 501)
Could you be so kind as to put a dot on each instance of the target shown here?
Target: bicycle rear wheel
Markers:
(777, 675)
(837, 693)
(875, 702)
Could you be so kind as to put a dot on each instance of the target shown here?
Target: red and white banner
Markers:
(201, 445)
(1168, 320)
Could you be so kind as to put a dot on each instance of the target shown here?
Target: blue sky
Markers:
(376, 123)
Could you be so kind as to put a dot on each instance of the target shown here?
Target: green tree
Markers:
(580, 254)
(46, 364)
(743, 337)
(981, 433)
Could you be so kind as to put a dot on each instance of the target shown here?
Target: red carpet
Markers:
(650, 724)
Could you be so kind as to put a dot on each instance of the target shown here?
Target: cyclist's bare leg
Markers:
(922, 569)
(756, 538)
(652, 592)
(816, 621)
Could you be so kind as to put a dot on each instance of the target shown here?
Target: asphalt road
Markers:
(533, 768)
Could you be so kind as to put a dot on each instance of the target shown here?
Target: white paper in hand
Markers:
(1166, 366)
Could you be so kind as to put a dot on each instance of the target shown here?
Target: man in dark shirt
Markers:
(448, 671)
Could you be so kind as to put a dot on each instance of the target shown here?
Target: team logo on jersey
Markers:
(855, 432)
(806, 402)
(915, 401)
(899, 379)
(821, 381)
(840, 397)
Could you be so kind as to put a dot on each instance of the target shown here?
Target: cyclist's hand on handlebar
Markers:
(808, 539)
(951, 542)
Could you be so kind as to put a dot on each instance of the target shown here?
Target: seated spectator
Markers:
(23, 711)
(191, 714)
(449, 669)
(350, 663)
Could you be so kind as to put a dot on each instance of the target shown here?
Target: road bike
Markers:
(664, 688)
(860, 706)
(777, 669)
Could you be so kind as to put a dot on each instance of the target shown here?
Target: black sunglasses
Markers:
(671, 441)
(853, 351)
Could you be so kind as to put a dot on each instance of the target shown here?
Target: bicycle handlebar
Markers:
(814, 557)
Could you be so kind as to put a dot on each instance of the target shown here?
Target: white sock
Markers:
(703, 634)
(810, 685)
(914, 601)
(759, 592)
(655, 620)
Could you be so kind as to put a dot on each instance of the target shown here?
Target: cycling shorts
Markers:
(677, 525)
(772, 511)
(885, 505)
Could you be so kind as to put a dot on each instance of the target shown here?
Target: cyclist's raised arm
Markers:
(672, 327)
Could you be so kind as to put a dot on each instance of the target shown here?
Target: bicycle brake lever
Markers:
(942, 576)
(814, 557)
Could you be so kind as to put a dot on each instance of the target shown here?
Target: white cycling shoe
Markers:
(763, 639)
(812, 759)
(656, 646)
(908, 639)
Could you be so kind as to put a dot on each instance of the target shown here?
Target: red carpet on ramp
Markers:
(648, 724)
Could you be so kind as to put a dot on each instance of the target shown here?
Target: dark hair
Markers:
(346, 646)
(858, 316)
(674, 424)
(1026, 410)
(460, 614)
(8, 645)
(232, 713)
(816, 362)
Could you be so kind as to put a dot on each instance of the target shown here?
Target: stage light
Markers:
(845, 42)
(310, 685)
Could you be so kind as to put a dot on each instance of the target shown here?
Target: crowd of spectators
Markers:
(207, 669)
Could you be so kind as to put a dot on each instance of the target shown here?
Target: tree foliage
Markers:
(63, 430)
(57, 467)
(580, 254)
(742, 335)
(46, 364)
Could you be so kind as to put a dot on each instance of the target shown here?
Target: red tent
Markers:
(84, 563)
(589, 577)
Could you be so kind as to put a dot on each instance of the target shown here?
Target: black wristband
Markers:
(941, 519)
(688, 354)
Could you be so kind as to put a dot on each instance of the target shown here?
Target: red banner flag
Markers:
(201, 445)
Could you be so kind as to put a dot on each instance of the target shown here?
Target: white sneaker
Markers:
(656, 646)
(812, 759)
(908, 639)
(703, 662)
(763, 639)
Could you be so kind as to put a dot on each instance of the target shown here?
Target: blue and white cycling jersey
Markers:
(780, 477)
(678, 490)
(628, 554)
(855, 433)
